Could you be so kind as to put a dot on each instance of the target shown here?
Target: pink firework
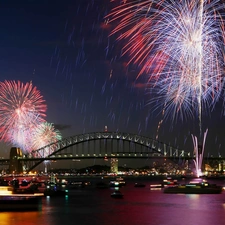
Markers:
(21, 108)
(21, 135)
(44, 135)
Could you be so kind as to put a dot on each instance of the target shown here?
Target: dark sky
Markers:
(64, 48)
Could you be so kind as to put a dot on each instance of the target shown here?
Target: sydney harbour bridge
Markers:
(97, 145)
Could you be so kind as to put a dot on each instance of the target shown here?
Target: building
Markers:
(114, 165)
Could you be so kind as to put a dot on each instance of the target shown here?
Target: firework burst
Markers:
(180, 45)
(44, 135)
(22, 133)
(21, 108)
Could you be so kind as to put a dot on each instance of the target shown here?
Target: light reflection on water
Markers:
(14, 218)
(140, 206)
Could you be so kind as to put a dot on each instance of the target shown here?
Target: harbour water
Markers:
(140, 206)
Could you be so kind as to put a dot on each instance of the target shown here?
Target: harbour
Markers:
(91, 205)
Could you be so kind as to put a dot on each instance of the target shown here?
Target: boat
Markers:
(139, 185)
(119, 182)
(76, 185)
(116, 194)
(55, 190)
(18, 202)
(194, 188)
(168, 182)
(114, 183)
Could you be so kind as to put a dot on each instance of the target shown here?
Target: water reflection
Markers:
(25, 218)
(139, 206)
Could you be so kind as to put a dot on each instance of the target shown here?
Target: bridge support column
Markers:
(114, 165)
(15, 166)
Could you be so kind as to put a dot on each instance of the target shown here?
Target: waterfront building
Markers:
(114, 165)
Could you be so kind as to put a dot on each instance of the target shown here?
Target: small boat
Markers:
(18, 202)
(119, 182)
(194, 188)
(55, 190)
(114, 183)
(76, 185)
(156, 186)
(139, 185)
(116, 194)
(168, 182)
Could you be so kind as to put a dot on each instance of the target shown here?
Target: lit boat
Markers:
(76, 184)
(119, 182)
(195, 188)
(169, 182)
(114, 183)
(18, 202)
(55, 190)
(116, 194)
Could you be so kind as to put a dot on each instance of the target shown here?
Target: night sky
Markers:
(64, 47)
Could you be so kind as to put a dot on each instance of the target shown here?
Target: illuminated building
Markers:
(114, 165)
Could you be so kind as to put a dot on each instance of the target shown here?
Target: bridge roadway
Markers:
(105, 144)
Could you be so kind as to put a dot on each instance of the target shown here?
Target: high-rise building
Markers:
(114, 165)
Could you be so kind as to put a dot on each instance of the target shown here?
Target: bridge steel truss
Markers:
(101, 145)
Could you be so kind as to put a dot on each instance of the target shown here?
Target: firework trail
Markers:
(180, 45)
(199, 153)
(21, 108)
(45, 134)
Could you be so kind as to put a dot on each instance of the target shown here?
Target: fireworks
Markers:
(44, 135)
(180, 45)
(199, 152)
(22, 112)
(21, 108)
(22, 133)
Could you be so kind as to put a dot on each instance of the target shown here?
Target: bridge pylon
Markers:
(15, 166)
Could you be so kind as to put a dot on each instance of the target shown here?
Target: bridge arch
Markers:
(103, 144)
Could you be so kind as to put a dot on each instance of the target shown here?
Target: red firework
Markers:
(21, 107)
